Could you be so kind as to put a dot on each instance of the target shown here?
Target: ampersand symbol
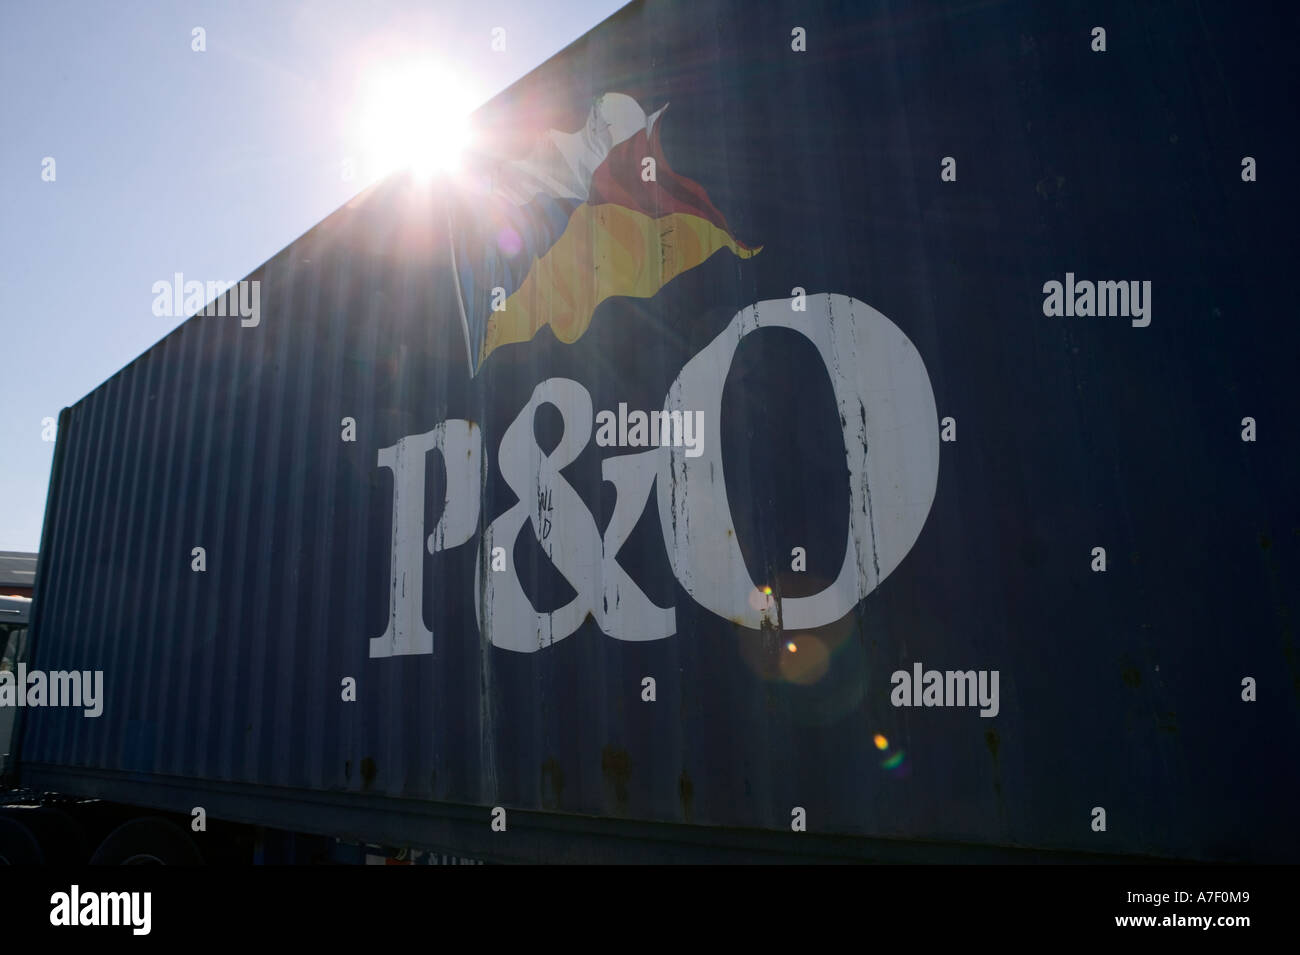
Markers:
(566, 531)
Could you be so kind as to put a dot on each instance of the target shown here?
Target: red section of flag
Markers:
(618, 180)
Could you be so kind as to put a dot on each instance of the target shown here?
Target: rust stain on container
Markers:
(616, 766)
(552, 784)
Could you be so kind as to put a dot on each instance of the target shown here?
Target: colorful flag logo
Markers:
(584, 217)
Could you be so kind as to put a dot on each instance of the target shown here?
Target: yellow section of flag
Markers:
(605, 250)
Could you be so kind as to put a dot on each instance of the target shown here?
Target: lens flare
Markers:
(509, 242)
(761, 599)
(881, 742)
(801, 660)
(805, 661)
(895, 761)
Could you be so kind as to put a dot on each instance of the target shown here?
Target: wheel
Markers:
(61, 838)
(18, 845)
(147, 841)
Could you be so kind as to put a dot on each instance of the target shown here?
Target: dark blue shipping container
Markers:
(422, 469)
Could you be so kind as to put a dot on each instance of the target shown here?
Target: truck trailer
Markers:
(797, 432)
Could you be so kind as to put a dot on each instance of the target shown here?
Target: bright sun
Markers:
(412, 116)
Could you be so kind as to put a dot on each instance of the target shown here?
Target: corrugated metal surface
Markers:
(1119, 689)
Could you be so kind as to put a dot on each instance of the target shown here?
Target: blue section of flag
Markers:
(496, 243)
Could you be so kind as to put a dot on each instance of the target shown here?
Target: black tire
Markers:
(18, 844)
(62, 840)
(147, 841)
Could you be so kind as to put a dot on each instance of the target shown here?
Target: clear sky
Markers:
(206, 163)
